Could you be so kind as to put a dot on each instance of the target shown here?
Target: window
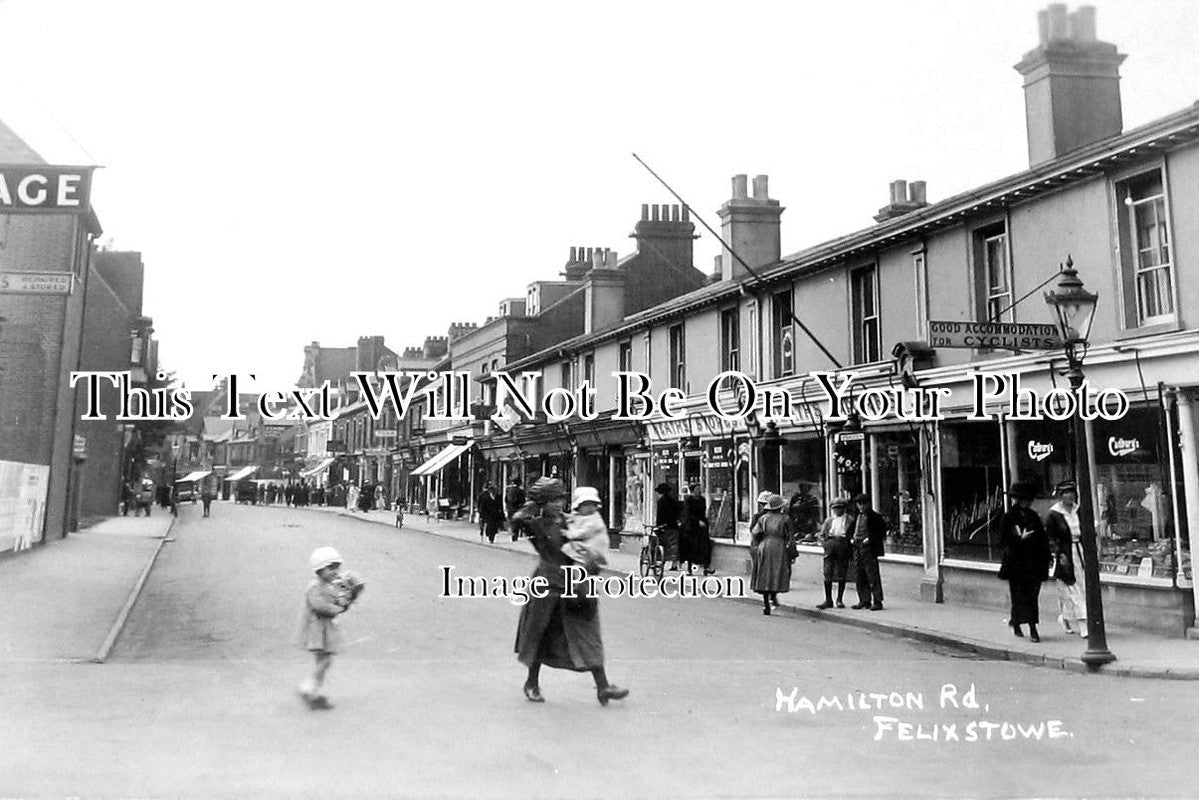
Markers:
(730, 339)
(993, 274)
(920, 276)
(678, 363)
(566, 381)
(626, 356)
(1147, 266)
(589, 369)
(864, 309)
(754, 352)
(783, 334)
(648, 360)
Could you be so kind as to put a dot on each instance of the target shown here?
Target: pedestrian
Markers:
(491, 512)
(127, 495)
(834, 537)
(1064, 531)
(668, 523)
(206, 496)
(869, 536)
(514, 500)
(352, 497)
(328, 595)
(145, 500)
(1025, 563)
(775, 545)
(586, 531)
(695, 540)
(379, 500)
(762, 498)
(365, 493)
(557, 630)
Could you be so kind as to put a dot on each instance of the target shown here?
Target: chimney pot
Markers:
(573, 254)
(1082, 24)
(740, 187)
(655, 211)
(919, 192)
(686, 214)
(760, 187)
(645, 212)
(1043, 25)
(1058, 22)
(899, 192)
(674, 213)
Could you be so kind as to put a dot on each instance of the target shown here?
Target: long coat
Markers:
(772, 538)
(695, 544)
(1061, 545)
(318, 618)
(1025, 562)
(558, 631)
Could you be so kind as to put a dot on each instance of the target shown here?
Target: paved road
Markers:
(198, 699)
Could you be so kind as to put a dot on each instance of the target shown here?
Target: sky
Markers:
(302, 171)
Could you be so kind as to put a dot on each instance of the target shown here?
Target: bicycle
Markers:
(653, 559)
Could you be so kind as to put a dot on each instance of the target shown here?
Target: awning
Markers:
(194, 476)
(318, 468)
(438, 461)
(242, 473)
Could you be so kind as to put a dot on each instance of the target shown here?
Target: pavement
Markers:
(981, 632)
(68, 601)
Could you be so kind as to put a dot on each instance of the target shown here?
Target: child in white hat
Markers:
(329, 594)
(586, 533)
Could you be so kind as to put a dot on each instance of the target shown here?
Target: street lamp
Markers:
(1074, 308)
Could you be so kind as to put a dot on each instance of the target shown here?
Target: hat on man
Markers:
(838, 502)
(763, 497)
(1023, 490)
(662, 488)
(585, 494)
(547, 490)
(775, 502)
(1066, 486)
(862, 498)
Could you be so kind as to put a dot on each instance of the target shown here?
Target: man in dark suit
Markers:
(869, 534)
(514, 500)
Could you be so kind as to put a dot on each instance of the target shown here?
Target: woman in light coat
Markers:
(1065, 535)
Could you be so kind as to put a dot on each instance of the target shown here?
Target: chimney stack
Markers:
(1071, 85)
(751, 226)
(905, 198)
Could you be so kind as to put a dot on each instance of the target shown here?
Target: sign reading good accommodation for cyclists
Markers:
(1001, 335)
(40, 188)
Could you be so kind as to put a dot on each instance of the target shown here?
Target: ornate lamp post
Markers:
(1074, 308)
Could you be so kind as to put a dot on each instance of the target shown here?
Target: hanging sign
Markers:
(718, 455)
(1000, 335)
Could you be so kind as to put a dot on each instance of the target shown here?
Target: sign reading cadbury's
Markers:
(44, 189)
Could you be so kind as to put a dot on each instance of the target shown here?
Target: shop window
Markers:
(1146, 256)
(637, 488)
(782, 334)
(678, 357)
(719, 463)
(802, 479)
(1133, 510)
(864, 314)
(897, 476)
(972, 485)
(993, 274)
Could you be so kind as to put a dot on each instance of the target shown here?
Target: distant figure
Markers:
(695, 541)
(491, 512)
(514, 500)
(668, 523)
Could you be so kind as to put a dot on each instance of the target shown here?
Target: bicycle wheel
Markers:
(646, 562)
(660, 564)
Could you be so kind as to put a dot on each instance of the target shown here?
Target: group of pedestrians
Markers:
(1036, 551)
(683, 528)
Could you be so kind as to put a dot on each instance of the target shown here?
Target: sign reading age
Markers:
(41, 188)
(999, 335)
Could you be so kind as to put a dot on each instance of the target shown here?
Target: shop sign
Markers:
(45, 189)
(666, 457)
(718, 455)
(1039, 451)
(384, 433)
(1131, 440)
(1002, 335)
(852, 436)
(697, 425)
(459, 441)
(80, 445)
(36, 282)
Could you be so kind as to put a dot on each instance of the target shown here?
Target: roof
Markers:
(1159, 136)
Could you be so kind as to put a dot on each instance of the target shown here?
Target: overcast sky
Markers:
(300, 171)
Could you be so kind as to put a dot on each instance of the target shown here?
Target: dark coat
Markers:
(491, 509)
(514, 498)
(695, 544)
(876, 530)
(669, 511)
(1025, 559)
(558, 631)
(1061, 546)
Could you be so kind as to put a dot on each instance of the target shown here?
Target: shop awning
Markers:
(242, 473)
(438, 461)
(194, 476)
(323, 465)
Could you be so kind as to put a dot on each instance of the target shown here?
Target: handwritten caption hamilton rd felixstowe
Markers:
(949, 698)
